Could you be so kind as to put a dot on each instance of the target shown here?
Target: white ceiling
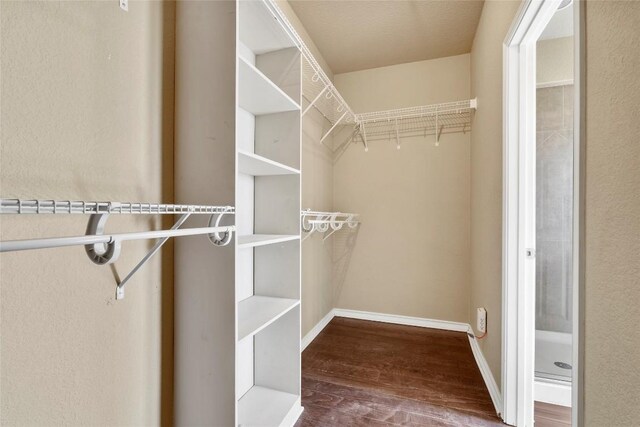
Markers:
(357, 35)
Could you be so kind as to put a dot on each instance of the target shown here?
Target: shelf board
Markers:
(262, 406)
(253, 240)
(253, 164)
(261, 30)
(257, 312)
(259, 95)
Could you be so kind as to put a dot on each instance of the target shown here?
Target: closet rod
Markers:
(326, 222)
(105, 248)
(55, 242)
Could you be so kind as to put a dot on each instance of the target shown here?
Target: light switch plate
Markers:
(124, 5)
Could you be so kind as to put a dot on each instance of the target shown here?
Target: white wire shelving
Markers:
(326, 222)
(104, 248)
(318, 89)
(436, 119)
(20, 206)
(321, 94)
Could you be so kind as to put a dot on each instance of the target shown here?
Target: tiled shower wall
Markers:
(554, 206)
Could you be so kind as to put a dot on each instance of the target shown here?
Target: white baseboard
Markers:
(554, 392)
(294, 413)
(313, 333)
(487, 376)
(402, 320)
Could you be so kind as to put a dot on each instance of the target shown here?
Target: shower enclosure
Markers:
(554, 218)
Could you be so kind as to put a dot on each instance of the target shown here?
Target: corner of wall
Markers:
(486, 175)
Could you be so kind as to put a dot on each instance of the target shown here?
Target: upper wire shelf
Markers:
(102, 248)
(322, 95)
(19, 206)
(317, 88)
(425, 120)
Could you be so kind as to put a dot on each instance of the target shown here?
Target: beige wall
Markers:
(554, 60)
(406, 85)
(612, 289)
(317, 194)
(411, 255)
(486, 175)
(87, 99)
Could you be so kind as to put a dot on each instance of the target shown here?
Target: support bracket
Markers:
(315, 100)
(152, 252)
(101, 253)
(333, 127)
(439, 133)
(363, 134)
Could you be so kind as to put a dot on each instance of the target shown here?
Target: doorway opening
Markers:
(542, 215)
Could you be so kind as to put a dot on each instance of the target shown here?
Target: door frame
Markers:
(519, 192)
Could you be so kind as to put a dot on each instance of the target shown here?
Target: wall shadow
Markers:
(344, 243)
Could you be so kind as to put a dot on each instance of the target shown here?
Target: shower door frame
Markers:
(519, 206)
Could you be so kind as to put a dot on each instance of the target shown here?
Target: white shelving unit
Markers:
(253, 164)
(238, 138)
(258, 94)
(256, 313)
(253, 240)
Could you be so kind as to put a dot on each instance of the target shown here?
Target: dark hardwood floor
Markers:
(548, 415)
(361, 373)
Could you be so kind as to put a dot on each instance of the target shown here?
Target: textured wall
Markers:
(87, 99)
(486, 175)
(317, 194)
(612, 289)
(411, 255)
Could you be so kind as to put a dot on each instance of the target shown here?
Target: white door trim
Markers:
(519, 191)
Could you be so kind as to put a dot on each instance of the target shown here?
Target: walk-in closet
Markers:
(318, 213)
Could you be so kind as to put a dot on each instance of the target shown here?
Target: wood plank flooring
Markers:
(361, 373)
(548, 415)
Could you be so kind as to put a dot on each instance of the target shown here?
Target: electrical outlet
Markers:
(481, 324)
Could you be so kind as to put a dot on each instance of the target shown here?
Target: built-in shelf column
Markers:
(268, 212)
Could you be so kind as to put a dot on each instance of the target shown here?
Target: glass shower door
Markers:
(554, 217)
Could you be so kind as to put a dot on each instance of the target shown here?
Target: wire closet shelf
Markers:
(317, 88)
(326, 222)
(423, 120)
(104, 248)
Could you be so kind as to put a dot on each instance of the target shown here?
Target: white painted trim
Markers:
(518, 281)
(579, 195)
(292, 416)
(554, 84)
(403, 320)
(554, 392)
(313, 333)
(487, 375)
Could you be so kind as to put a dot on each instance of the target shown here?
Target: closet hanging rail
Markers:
(323, 222)
(423, 120)
(105, 248)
